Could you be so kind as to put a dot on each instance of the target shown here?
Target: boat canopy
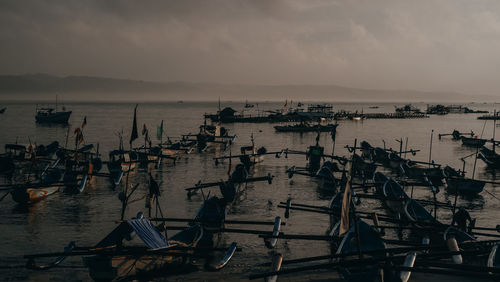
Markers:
(148, 233)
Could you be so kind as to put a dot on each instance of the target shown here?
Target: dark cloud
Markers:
(446, 45)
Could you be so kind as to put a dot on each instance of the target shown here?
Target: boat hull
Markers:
(32, 195)
(105, 268)
(466, 186)
(59, 117)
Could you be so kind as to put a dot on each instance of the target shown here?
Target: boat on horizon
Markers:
(52, 115)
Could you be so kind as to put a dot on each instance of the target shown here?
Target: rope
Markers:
(491, 194)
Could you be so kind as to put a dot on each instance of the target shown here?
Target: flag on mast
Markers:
(159, 131)
(84, 122)
(134, 135)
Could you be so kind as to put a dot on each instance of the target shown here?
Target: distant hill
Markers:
(87, 88)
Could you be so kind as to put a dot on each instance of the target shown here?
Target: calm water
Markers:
(50, 224)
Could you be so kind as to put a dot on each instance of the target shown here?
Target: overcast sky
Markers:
(448, 45)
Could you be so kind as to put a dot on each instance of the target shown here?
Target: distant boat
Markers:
(2, 110)
(51, 115)
(248, 105)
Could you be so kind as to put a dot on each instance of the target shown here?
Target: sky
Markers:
(440, 45)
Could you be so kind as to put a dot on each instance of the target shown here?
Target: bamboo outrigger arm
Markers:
(199, 185)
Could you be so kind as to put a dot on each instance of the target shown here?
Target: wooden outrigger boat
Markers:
(112, 260)
(415, 170)
(120, 162)
(233, 189)
(456, 135)
(250, 155)
(33, 192)
(456, 182)
(473, 141)
(50, 115)
(490, 157)
(182, 146)
(19, 152)
(211, 136)
(362, 238)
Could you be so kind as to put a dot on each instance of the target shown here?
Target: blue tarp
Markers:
(148, 233)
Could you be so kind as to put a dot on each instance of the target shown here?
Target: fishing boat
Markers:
(305, 127)
(233, 189)
(473, 141)
(379, 180)
(162, 255)
(415, 170)
(120, 162)
(369, 241)
(212, 136)
(33, 192)
(49, 115)
(247, 105)
(52, 115)
(395, 160)
(416, 213)
(172, 149)
(456, 182)
(490, 157)
(30, 196)
(21, 152)
(395, 196)
(363, 169)
(327, 180)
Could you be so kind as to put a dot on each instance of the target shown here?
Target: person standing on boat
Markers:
(460, 218)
